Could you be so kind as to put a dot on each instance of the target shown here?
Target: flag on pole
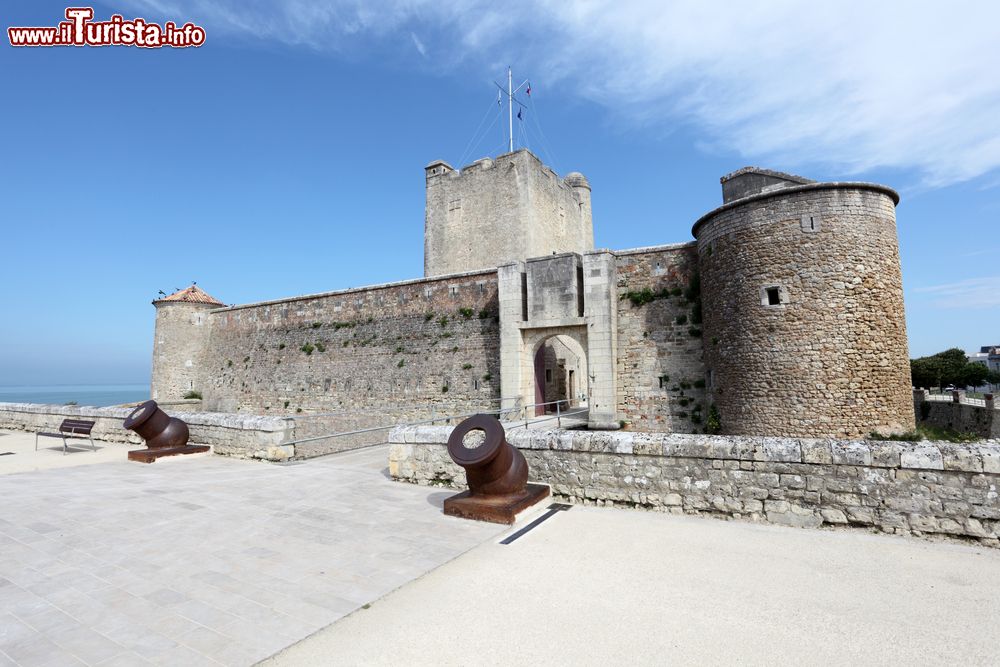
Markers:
(528, 90)
(519, 114)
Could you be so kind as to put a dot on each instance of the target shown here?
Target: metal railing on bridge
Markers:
(514, 417)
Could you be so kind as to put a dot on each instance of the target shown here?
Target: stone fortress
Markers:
(784, 317)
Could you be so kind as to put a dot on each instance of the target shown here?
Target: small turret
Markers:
(581, 187)
(180, 339)
(438, 168)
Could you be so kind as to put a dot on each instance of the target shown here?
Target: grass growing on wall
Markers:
(713, 423)
(925, 432)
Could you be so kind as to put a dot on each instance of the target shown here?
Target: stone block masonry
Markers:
(895, 487)
(425, 345)
(804, 323)
(661, 375)
(493, 212)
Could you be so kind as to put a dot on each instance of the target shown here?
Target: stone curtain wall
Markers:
(830, 359)
(983, 421)
(403, 349)
(896, 487)
(233, 435)
(660, 339)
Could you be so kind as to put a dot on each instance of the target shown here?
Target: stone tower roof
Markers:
(193, 294)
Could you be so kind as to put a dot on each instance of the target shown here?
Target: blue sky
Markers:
(286, 155)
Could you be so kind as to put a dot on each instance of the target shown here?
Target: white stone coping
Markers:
(978, 457)
(355, 290)
(648, 250)
(220, 419)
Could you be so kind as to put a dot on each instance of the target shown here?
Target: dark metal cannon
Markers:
(164, 435)
(497, 474)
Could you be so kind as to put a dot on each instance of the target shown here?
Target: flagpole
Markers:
(510, 109)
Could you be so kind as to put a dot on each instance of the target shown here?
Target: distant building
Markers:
(989, 356)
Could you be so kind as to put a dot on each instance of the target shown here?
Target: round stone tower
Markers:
(802, 298)
(179, 342)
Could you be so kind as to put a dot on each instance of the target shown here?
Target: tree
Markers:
(948, 367)
(926, 372)
(974, 375)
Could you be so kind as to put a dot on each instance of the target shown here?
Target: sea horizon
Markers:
(95, 395)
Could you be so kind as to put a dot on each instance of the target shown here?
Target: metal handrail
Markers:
(387, 408)
(558, 417)
(433, 418)
(378, 428)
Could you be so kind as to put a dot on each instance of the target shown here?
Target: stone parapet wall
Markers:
(896, 487)
(180, 405)
(961, 417)
(243, 436)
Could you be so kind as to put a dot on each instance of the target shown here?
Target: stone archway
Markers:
(559, 374)
(572, 343)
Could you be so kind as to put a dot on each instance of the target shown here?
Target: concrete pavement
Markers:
(598, 586)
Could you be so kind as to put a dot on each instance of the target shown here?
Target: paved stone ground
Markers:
(18, 454)
(206, 561)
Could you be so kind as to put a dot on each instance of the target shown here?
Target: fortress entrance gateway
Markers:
(558, 325)
(560, 374)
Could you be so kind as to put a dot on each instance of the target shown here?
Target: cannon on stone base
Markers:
(497, 474)
(164, 435)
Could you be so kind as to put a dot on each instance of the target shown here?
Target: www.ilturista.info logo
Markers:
(80, 30)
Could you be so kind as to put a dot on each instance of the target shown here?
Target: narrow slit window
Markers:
(773, 296)
(810, 223)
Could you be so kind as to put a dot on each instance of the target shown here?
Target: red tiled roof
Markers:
(193, 294)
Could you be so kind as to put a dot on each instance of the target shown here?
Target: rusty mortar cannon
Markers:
(496, 471)
(164, 435)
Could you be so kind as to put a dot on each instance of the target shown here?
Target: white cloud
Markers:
(972, 293)
(421, 49)
(983, 251)
(853, 85)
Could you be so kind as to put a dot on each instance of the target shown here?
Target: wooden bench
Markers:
(70, 428)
